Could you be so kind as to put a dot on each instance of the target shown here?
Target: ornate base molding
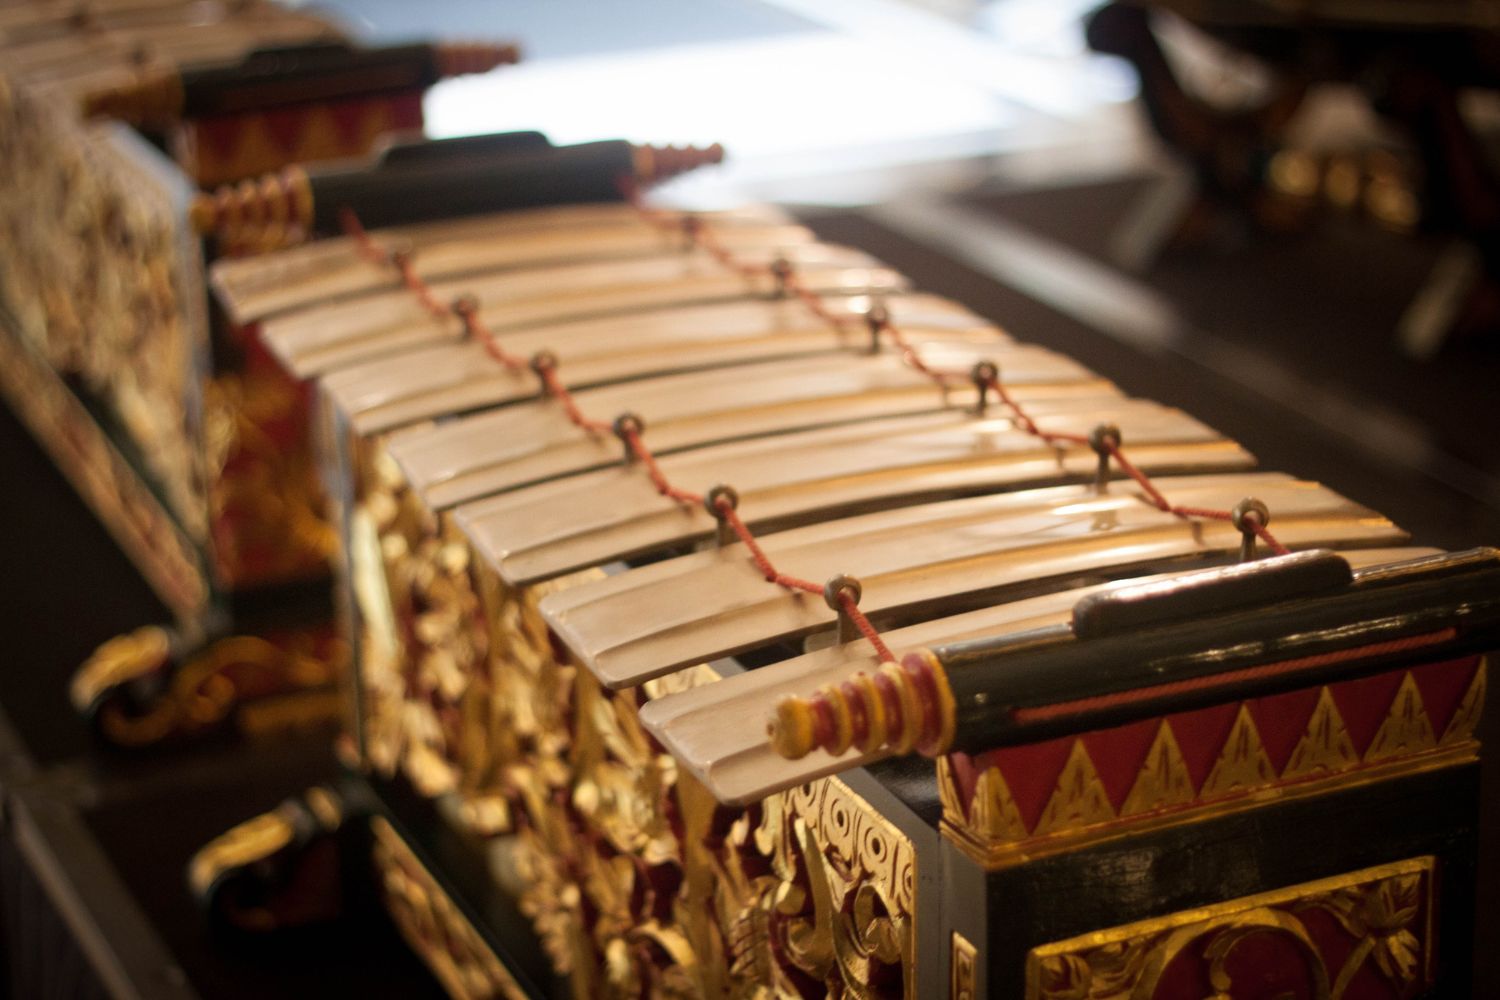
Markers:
(1367, 934)
(435, 928)
(148, 687)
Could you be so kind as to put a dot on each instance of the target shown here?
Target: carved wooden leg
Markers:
(1461, 194)
(1228, 153)
(152, 686)
(282, 869)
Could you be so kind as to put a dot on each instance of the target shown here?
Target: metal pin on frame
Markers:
(723, 533)
(543, 362)
(1105, 439)
(466, 307)
(984, 374)
(692, 226)
(1250, 516)
(781, 270)
(877, 318)
(626, 426)
(833, 592)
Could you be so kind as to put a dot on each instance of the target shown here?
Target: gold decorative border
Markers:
(861, 851)
(962, 969)
(103, 478)
(1377, 907)
(434, 926)
(989, 829)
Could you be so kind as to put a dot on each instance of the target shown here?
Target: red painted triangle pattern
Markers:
(1363, 704)
(1200, 736)
(1031, 772)
(1281, 720)
(1118, 755)
(1443, 686)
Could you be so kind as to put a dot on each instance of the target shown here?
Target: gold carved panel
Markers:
(1371, 923)
(815, 892)
(435, 927)
(635, 881)
(962, 969)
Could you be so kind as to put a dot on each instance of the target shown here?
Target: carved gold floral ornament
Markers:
(1377, 908)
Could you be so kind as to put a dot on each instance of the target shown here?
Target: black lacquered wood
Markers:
(1049, 683)
(1224, 588)
(297, 74)
(411, 190)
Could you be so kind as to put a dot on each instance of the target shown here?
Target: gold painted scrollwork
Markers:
(962, 969)
(823, 898)
(1378, 910)
(635, 881)
(435, 927)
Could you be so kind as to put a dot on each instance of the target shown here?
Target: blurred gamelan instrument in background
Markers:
(1412, 63)
(179, 431)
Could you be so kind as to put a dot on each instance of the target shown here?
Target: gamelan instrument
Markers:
(731, 618)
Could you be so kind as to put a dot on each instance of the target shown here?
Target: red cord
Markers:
(560, 392)
(658, 478)
(703, 237)
(466, 310)
(773, 575)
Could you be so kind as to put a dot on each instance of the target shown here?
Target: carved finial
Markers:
(654, 164)
(464, 58)
(249, 213)
(899, 707)
(154, 98)
(1249, 516)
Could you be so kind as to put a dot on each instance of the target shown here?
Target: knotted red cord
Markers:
(703, 237)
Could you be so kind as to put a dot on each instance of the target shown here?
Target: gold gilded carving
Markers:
(1377, 908)
(1242, 765)
(962, 970)
(1079, 799)
(264, 491)
(202, 691)
(107, 291)
(989, 826)
(994, 809)
(246, 843)
(1406, 729)
(1164, 781)
(1461, 727)
(1325, 747)
(434, 926)
(118, 661)
(834, 912)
